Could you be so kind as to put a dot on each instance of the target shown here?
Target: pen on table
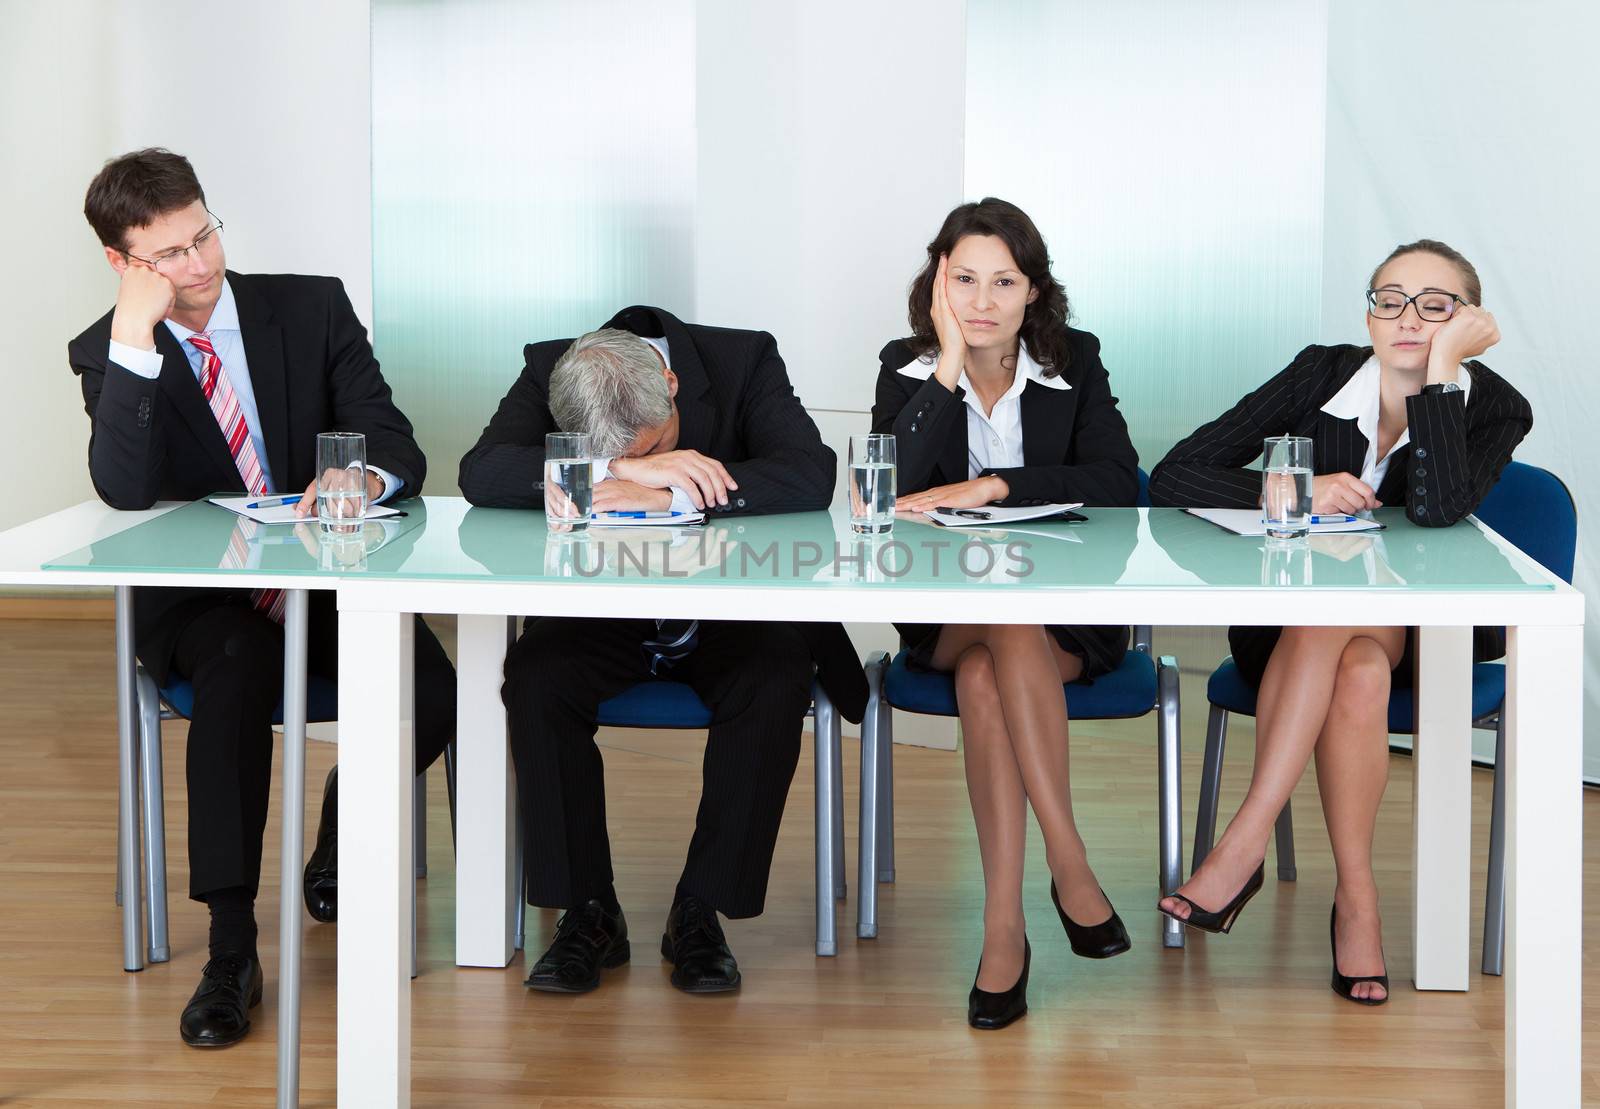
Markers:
(1335, 519)
(275, 501)
(640, 515)
(969, 513)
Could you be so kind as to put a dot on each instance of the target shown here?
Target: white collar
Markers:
(1360, 398)
(224, 316)
(1027, 370)
(661, 348)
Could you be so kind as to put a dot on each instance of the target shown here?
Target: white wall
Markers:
(277, 128)
(1499, 158)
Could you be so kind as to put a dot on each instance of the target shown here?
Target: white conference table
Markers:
(1126, 566)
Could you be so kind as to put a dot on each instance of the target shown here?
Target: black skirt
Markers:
(1252, 649)
(1100, 647)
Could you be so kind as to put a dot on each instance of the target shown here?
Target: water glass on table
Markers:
(568, 481)
(341, 481)
(872, 463)
(1286, 486)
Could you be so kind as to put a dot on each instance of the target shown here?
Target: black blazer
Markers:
(1453, 459)
(1075, 444)
(735, 404)
(1075, 447)
(312, 370)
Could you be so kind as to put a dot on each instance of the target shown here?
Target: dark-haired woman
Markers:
(1407, 420)
(995, 400)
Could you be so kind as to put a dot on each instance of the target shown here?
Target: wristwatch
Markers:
(1442, 389)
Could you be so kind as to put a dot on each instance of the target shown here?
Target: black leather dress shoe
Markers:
(1093, 941)
(322, 870)
(989, 1011)
(698, 951)
(587, 938)
(219, 1012)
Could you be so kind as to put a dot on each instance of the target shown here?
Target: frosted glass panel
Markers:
(533, 171)
(1172, 155)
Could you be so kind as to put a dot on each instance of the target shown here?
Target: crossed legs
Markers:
(1014, 727)
(1325, 693)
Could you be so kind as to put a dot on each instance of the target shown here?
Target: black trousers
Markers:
(233, 655)
(755, 677)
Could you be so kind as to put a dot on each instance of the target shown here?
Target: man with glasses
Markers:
(201, 380)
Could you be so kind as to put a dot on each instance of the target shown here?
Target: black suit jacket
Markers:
(1456, 451)
(1075, 444)
(735, 404)
(1455, 455)
(312, 370)
(1075, 447)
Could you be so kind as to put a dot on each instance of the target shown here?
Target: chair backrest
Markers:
(1143, 500)
(1532, 508)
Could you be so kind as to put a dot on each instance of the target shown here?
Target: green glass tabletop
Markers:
(445, 538)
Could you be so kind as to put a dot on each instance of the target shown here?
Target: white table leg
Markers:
(375, 866)
(1544, 866)
(486, 817)
(1441, 861)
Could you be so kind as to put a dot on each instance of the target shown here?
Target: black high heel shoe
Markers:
(1222, 920)
(1093, 941)
(1343, 985)
(989, 1011)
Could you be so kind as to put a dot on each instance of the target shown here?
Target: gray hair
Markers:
(609, 383)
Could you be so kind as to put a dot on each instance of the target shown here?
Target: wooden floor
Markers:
(1245, 1019)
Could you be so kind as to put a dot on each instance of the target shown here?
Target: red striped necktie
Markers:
(236, 430)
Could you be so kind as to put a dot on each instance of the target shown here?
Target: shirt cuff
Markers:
(144, 363)
(681, 501)
(391, 484)
(602, 469)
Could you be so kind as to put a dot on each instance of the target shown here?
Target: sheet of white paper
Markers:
(999, 517)
(1248, 521)
(284, 513)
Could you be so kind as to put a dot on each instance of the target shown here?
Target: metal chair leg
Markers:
(826, 801)
(1494, 898)
(886, 792)
(293, 846)
(867, 823)
(518, 934)
(117, 893)
(128, 782)
(450, 785)
(1283, 830)
(154, 814)
(419, 824)
(1205, 821)
(1170, 783)
(841, 887)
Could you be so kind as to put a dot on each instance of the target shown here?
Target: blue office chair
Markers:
(1532, 509)
(1141, 684)
(668, 704)
(175, 700)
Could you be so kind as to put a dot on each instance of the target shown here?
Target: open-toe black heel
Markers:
(1222, 920)
(1344, 985)
(1093, 941)
(989, 1011)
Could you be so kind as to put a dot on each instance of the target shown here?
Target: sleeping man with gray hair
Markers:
(682, 417)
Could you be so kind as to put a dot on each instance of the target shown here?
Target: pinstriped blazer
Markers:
(1455, 455)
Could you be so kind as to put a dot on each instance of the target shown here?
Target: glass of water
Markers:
(341, 481)
(568, 481)
(871, 484)
(1286, 486)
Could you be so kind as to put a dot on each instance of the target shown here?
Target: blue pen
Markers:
(275, 502)
(1334, 519)
(642, 515)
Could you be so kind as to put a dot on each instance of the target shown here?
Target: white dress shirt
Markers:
(994, 438)
(602, 466)
(1361, 400)
(226, 340)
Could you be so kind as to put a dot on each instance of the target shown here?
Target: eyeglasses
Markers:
(1432, 305)
(174, 258)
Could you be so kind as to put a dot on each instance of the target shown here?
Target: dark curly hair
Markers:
(1044, 322)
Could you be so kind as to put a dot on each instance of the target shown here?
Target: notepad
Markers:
(284, 513)
(1249, 521)
(990, 517)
